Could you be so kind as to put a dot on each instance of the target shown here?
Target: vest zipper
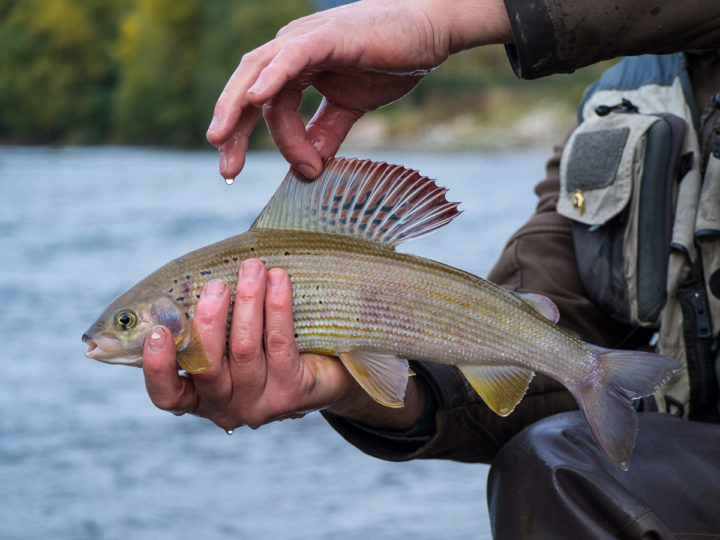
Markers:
(697, 330)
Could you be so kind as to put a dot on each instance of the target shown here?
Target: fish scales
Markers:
(357, 298)
(348, 291)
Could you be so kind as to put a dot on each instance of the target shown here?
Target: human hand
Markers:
(262, 377)
(359, 56)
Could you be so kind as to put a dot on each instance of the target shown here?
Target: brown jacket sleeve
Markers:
(559, 36)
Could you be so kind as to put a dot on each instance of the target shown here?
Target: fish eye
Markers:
(125, 319)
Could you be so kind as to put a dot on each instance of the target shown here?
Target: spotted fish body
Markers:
(356, 297)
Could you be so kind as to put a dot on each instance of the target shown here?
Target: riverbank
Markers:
(539, 126)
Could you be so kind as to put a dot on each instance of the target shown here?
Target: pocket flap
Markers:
(598, 165)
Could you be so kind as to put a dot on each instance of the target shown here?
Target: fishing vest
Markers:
(645, 209)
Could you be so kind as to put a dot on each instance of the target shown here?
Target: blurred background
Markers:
(149, 71)
(105, 175)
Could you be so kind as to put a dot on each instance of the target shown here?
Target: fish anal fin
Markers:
(542, 304)
(500, 387)
(194, 358)
(383, 376)
(375, 201)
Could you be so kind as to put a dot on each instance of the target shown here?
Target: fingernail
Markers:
(213, 125)
(214, 288)
(306, 170)
(223, 161)
(250, 270)
(275, 278)
(156, 341)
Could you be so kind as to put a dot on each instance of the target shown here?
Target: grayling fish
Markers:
(357, 298)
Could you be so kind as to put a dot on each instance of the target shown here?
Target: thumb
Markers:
(166, 388)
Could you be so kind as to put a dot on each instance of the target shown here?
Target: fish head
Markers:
(118, 335)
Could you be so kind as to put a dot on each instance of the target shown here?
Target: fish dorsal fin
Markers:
(542, 304)
(500, 387)
(372, 200)
(383, 376)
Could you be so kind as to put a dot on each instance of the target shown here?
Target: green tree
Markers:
(56, 73)
(174, 57)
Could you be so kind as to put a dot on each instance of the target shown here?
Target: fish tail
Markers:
(605, 397)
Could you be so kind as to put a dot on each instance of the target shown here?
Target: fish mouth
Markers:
(110, 354)
(96, 351)
(93, 350)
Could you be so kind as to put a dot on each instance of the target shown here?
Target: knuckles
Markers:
(277, 342)
(252, 57)
(244, 348)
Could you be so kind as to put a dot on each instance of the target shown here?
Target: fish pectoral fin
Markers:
(542, 304)
(383, 376)
(500, 387)
(194, 358)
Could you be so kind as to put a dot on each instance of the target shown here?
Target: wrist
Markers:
(471, 23)
(358, 406)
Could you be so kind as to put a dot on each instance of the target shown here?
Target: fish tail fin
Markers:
(605, 397)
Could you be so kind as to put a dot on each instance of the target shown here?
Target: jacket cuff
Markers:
(534, 52)
(559, 36)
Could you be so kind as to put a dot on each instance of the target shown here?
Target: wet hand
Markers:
(262, 377)
(359, 57)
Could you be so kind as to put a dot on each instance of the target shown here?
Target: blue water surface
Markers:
(83, 452)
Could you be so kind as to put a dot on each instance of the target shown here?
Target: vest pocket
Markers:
(617, 177)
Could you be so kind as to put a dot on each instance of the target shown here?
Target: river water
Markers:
(83, 452)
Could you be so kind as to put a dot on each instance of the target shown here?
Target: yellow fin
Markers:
(194, 358)
(501, 387)
(383, 376)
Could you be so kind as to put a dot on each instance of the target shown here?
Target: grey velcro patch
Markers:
(595, 158)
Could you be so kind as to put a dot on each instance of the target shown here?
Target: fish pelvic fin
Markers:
(605, 398)
(372, 200)
(383, 376)
(500, 387)
(194, 358)
(542, 304)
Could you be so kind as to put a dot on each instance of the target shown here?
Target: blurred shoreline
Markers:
(462, 133)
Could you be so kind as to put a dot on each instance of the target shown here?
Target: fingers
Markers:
(282, 353)
(295, 382)
(329, 127)
(214, 385)
(259, 79)
(233, 99)
(166, 388)
(233, 150)
(264, 360)
(288, 132)
(246, 355)
(262, 377)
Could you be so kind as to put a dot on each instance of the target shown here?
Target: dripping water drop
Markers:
(229, 181)
(229, 431)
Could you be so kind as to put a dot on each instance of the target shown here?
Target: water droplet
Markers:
(230, 431)
(229, 181)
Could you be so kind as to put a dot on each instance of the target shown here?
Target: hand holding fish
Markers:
(359, 57)
(262, 377)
